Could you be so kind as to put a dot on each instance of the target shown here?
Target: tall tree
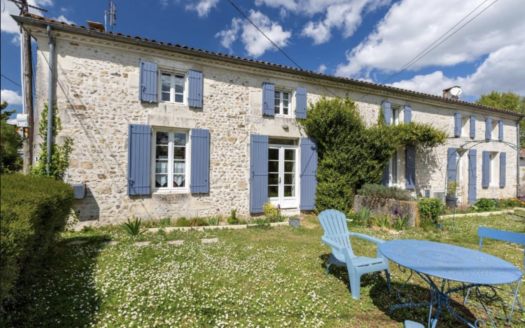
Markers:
(10, 143)
(507, 100)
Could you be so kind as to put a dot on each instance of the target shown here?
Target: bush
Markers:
(232, 219)
(132, 228)
(34, 211)
(485, 205)
(376, 191)
(198, 222)
(430, 209)
(182, 222)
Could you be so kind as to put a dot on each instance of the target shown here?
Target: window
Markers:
(170, 160)
(392, 170)
(494, 169)
(494, 133)
(172, 88)
(282, 103)
(465, 126)
(282, 173)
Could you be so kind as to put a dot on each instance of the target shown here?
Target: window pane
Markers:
(179, 89)
(273, 179)
(179, 99)
(180, 152)
(273, 154)
(289, 191)
(273, 167)
(285, 111)
(273, 191)
(162, 138)
(162, 152)
(166, 96)
(178, 181)
(289, 154)
(289, 179)
(277, 141)
(179, 139)
(178, 167)
(161, 181)
(166, 82)
(179, 80)
(161, 167)
(277, 95)
(289, 166)
(285, 96)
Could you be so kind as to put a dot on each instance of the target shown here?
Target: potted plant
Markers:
(452, 194)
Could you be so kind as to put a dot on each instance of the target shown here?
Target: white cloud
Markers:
(411, 25)
(502, 71)
(322, 68)
(63, 18)
(16, 39)
(254, 42)
(11, 97)
(8, 25)
(202, 7)
(341, 14)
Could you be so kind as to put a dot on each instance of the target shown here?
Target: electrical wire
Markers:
(8, 79)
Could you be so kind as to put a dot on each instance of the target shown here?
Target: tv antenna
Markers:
(112, 14)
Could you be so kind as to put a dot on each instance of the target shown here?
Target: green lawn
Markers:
(259, 277)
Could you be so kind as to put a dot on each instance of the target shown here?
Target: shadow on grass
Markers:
(60, 292)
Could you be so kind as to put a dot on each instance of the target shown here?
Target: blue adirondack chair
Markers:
(337, 236)
(511, 237)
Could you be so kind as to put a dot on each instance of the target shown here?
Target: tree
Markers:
(506, 100)
(10, 143)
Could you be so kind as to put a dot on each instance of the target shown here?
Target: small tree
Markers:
(10, 143)
(59, 153)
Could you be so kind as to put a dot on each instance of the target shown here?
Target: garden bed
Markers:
(381, 206)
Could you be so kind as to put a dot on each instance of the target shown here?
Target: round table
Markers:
(449, 263)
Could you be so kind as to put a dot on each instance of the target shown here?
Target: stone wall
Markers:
(383, 207)
(98, 96)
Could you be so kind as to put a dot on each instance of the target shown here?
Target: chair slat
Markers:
(509, 236)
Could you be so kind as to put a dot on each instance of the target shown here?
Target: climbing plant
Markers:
(351, 153)
(59, 153)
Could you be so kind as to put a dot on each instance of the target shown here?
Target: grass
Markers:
(270, 277)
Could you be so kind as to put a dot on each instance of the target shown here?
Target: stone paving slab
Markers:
(78, 242)
(175, 242)
(209, 240)
(110, 242)
(141, 243)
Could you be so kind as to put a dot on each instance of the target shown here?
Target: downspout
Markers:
(51, 101)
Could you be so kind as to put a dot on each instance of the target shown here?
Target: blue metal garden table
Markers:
(448, 263)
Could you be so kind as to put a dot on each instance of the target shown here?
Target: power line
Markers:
(274, 44)
(8, 79)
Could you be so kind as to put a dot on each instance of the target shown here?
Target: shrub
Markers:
(272, 213)
(383, 221)
(182, 222)
(430, 209)
(484, 205)
(214, 220)
(132, 228)
(232, 219)
(376, 191)
(401, 223)
(166, 222)
(198, 222)
(364, 216)
(34, 211)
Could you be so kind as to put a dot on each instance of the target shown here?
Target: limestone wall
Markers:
(98, 96)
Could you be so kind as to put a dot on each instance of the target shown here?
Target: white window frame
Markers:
(287, 202)
(187, 168)
(393, 170)
(281, 107)
(494, 132)
(494, 169)
(184, 75)
(465, 126)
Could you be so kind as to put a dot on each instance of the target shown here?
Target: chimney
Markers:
(452, 93)
(96, 26)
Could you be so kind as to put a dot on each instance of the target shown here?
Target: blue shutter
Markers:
(408, 114)
(195, 89)
(472, 175)
(410, 167)
(473, 127)
(427, 193)
(451, 165)
(500, 130)
(502, 169)
(457, 125)
(308, 173)
(387, 112)
(300, 98)
(485, 167)
(200, 161)
(148, 82)
(258, 172)
(139, 159)
(268, 101)
(488, 128)
(386, 174)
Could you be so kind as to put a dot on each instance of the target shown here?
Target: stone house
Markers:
(163, 130)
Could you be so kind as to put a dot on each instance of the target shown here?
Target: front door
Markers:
(282, 175)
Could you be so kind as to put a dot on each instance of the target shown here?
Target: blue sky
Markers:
(364, 39)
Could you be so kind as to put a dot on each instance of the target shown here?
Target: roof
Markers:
(32, 19)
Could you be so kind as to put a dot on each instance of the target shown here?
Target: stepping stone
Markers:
(78, 242)
(141, 243)
(209, 240)
(175, 242)
(111, 242)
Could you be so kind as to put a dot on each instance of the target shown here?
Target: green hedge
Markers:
(33, 211)
(384, 192)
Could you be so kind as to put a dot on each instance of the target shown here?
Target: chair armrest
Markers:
(366, 237)
(332, 243)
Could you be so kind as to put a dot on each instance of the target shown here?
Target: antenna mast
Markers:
(112, 14)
